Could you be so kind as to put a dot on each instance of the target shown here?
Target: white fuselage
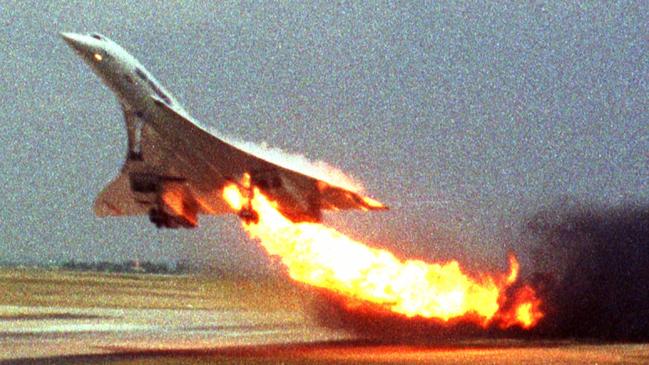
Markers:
(121, 72)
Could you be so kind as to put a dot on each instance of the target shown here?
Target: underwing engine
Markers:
(298, 204)
(172, 204)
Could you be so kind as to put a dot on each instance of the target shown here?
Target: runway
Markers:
(60, 317)
(51, 332)
(46, 335)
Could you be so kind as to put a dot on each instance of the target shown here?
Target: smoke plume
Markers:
(595, 263)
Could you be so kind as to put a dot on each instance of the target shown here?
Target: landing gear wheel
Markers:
(248, 215)
(157, 217)
(135, 156)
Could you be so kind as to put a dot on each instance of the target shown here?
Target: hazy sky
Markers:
(465, 118)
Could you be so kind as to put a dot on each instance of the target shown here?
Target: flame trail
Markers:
(325, 258)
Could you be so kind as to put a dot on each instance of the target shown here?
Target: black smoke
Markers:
(597, 260)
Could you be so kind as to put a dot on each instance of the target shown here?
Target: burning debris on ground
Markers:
(378, 324)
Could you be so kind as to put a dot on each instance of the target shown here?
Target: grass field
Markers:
(54, 288)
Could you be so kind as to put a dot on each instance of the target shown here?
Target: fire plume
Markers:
(322, 257)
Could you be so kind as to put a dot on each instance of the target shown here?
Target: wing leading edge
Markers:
(330, 197)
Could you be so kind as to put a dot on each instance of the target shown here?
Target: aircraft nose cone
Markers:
(73, 40)
(67, 36)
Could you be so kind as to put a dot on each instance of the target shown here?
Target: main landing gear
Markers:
(135, 156)
(247, 214)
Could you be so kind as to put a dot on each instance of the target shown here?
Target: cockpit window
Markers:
(154, 86)
(96, 36)
(141, 74)
(160, 93)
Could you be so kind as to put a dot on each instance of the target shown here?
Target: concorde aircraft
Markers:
(175, 169)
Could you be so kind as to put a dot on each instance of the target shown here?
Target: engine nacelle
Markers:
(172, 203)
(163, 220)
(298, 204)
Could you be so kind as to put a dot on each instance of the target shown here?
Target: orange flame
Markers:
(525, 310)
(325, 258)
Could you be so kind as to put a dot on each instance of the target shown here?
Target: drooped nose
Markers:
(76, 41)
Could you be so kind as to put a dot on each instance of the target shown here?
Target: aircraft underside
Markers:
(172, 204)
